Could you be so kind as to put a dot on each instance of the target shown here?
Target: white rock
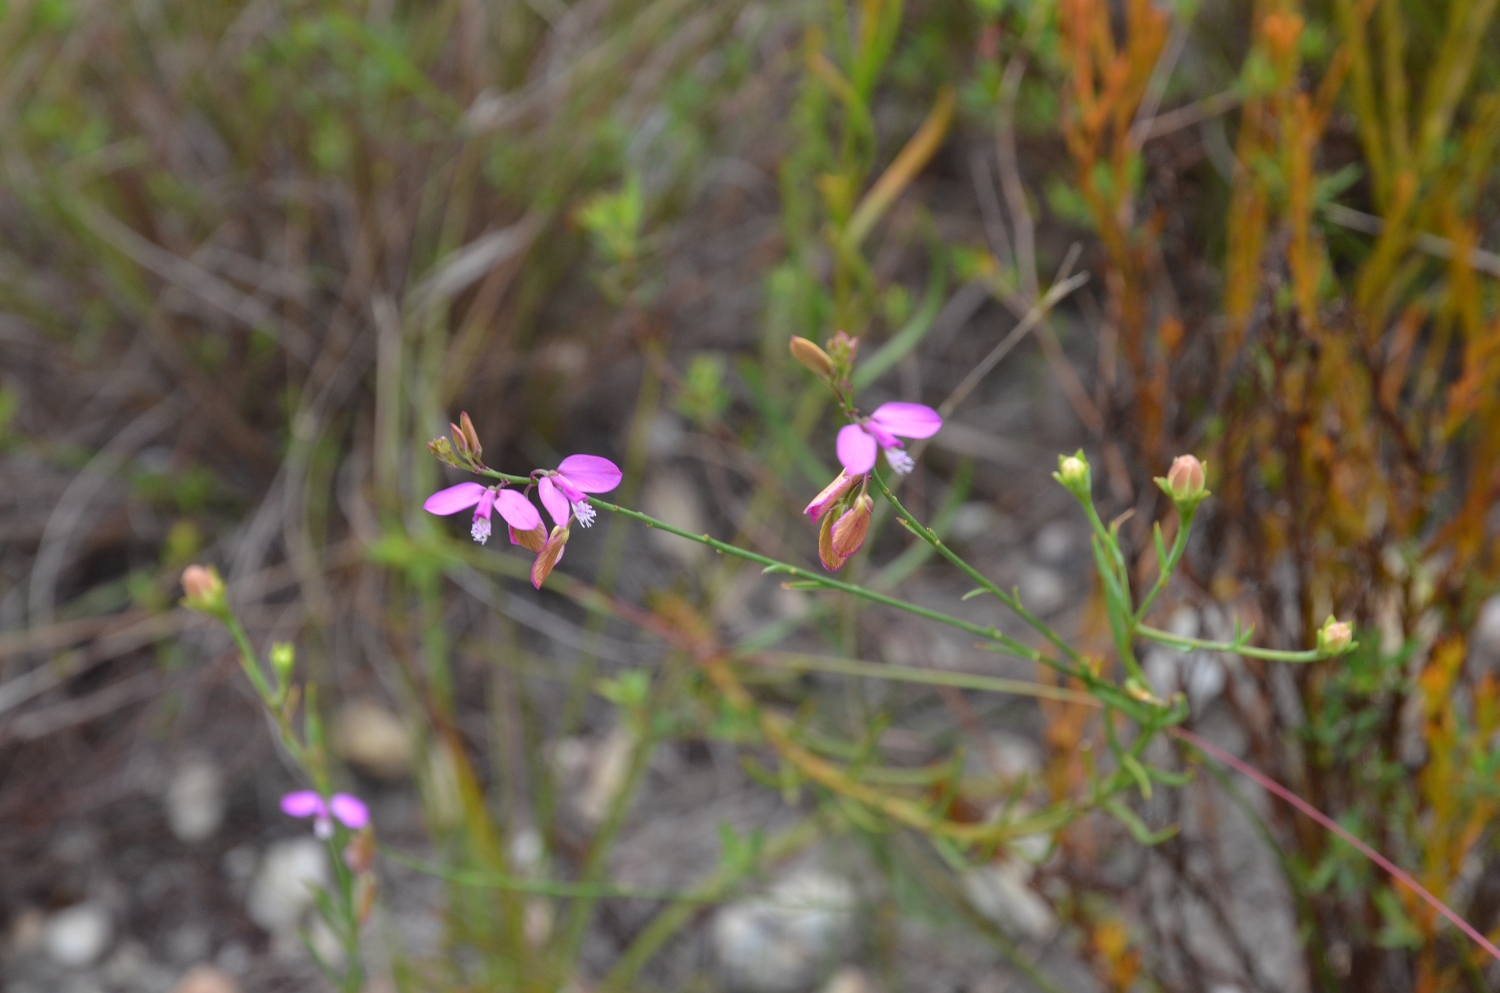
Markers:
(206, 979)
(973, 520)
(1042, 589)
(78, 935)
(609, 765)
(28, 932)
(1000, 892)
(849, 979)
(782, 941)
(1486, 635)
(1054, 542)
(282, 890)
(1006, 755)
(674, 498)
(1205, 679)
(372, 739)
(195, 800)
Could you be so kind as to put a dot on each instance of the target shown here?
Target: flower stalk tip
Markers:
(1184, 482)
(813, 358)
(1074, 474)
(204, 589)
(1335, 637)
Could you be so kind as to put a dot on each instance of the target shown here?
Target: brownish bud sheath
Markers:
(853, 525)
(476, 450)
(548, 557)
(813, 358)
(532, 540)
(359, 854)
(831, 559)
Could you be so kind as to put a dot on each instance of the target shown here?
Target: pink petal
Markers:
(517, 511)
(350, 809)
(908, 420)
(830, 493)
(856, 450)
(555, 501)
(303, 803)
(454, 498)
(591, 473)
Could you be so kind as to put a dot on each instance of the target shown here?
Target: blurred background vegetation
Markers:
(253, 256)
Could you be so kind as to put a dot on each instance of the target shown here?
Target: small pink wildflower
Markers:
(350, 810)
(515, 508)
(565, 487)
(857, 442)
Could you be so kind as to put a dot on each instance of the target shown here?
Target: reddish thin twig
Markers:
(1332, 825)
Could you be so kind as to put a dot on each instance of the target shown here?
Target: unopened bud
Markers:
(827, 554)
(442, 449)
(548, 557)
(283, 658)
(1184, 481)
(813, 358)
(359, 854)
(466, 426)
(1073, 473)
(843, 350)
(203, 588)
(1335, 637)
(853, 524)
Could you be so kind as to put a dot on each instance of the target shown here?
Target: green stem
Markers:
(1179, 545)
(807, 576)
(928, 677)
(1235, 648)
(1010, 600)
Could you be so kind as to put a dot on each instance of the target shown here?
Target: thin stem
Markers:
(1010, 600)
(928, 677)
(1235, 648)
(1179, 546)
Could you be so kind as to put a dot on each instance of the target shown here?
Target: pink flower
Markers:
(564, 488)
(884, 428)
(515, 508)
(350, 810)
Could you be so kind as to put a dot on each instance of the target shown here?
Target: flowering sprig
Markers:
(859, 444)
(563, 491)
(350, 811)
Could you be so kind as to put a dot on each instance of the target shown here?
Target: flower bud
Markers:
(1335, 637)
(1073, 473)
(359, 854)
(813, 358)
(827, 554)
(283, 658)
(853, 524)
(1185, 480)
(204, 589)
(471, 437)
(548, 557)
(843, 350)
(442, 450)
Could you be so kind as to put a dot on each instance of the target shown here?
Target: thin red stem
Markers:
(1328, 822)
